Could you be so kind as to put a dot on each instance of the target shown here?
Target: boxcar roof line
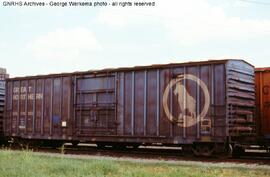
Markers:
(266, 69)
(134, 68)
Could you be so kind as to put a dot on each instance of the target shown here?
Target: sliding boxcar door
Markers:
(95, 105)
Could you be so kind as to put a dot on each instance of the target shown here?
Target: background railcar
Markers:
(3, 76)
(202, 104)
(262, 78)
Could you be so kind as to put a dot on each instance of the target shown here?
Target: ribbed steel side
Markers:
(262, 83)
(240, 99)
(3, 76)
(178, 103)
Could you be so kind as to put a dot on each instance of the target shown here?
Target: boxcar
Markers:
(262, 82)
(3, 76)
(201, 104)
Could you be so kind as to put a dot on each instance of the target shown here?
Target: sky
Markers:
(44, 40)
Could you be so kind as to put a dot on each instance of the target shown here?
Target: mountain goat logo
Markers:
(187, 104)
(191, 103)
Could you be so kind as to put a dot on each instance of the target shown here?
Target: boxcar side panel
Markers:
(120, 103)
(177, 130)
(140, 107)
(192, 104)
(67, 106)
(151, 103)
(179, 104)
(39, 108)
(164, 123)
(218, 101)
(170, 104)
(128, 103)
(48, 100)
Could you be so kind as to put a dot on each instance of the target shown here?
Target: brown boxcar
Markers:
(262, 81)
(173, 104)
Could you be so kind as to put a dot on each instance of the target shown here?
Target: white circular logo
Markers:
(185, 101)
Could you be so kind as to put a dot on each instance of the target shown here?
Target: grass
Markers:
(27, 164)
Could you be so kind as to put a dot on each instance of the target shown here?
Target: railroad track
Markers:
(144, 152)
